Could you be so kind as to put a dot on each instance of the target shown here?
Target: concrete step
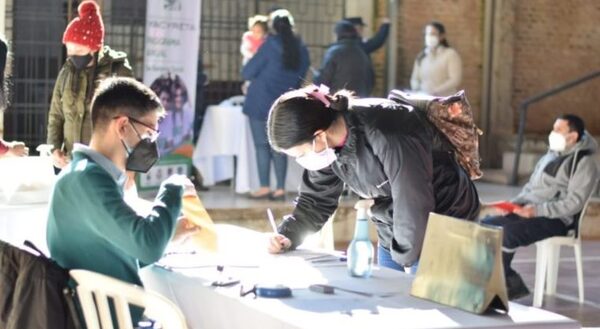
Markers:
(256, 219)
(501, 176)
(226, 207)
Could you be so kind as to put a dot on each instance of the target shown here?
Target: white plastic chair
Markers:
(548, 258)
(93, 290)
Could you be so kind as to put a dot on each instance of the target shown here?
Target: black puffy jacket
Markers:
(31, 291)
(396, 157)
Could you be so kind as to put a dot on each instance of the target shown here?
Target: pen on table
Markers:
(327, 260)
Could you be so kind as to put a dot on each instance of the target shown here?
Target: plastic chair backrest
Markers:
(583, 211)
(94, 289)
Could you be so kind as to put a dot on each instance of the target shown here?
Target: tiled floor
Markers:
(566, 302)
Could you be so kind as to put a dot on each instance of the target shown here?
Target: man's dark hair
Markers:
(575, 124)
(122, 97)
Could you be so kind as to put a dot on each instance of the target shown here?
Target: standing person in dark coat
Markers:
(382, 151)
(279, 65)
(345, 64)
(378, 40)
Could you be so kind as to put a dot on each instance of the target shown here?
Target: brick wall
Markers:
(379, 56)
(556, 41)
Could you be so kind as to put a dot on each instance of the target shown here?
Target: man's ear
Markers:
(573, 137)
(119, 126)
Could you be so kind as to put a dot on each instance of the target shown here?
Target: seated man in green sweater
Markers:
(89, 225)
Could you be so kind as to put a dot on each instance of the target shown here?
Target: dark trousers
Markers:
(520, 232)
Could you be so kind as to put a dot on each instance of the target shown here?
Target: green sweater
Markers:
(91, 227)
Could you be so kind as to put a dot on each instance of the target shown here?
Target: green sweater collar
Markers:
(114, 172)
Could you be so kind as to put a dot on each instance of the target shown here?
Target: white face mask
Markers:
(431, 41)
(557, 142)
(316, 161)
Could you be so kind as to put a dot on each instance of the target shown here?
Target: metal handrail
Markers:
(523, 115)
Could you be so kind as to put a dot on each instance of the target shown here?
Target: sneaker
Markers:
(515, 287)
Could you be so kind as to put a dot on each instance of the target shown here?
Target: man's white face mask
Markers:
(557, 141)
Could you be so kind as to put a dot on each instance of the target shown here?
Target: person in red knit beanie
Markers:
(88, 62)
(87, 29)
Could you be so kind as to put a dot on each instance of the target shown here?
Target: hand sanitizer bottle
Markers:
(360, 251)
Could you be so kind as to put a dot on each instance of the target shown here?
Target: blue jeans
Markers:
(384, 259)
(264, 155)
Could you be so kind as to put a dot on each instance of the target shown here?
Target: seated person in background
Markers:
(549, 203)
(89, 224)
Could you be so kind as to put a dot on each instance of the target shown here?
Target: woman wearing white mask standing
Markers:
(438, 68)
(382, 151)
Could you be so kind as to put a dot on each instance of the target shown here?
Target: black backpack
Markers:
(34, 291)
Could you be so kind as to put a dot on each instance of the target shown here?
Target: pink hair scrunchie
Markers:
(320, 93)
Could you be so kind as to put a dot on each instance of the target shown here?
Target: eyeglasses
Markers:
(155, 132)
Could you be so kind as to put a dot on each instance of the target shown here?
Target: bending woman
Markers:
(382, 151)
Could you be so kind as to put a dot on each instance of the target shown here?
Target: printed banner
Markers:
(170, 69)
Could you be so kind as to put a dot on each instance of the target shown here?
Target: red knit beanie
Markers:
(87, 29)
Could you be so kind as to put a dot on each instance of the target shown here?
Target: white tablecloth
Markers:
(24, 222)
(226, 133)
(243, 254)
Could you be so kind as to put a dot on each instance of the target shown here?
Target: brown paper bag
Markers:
(461, 265)
(194, 210)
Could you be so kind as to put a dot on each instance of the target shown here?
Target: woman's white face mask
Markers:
(557, 141)
(316, 161)
(432, 37)
(431, 41)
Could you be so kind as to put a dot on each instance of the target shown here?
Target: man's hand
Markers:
(488, 209)
(17, 149)
(184, 182)
(527, 211)
(278, 243)
(184, 229)
(59, 158)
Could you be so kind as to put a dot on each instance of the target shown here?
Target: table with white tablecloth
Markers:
(226, 134)
(25, 186)
(24, 222)
(186, 279)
